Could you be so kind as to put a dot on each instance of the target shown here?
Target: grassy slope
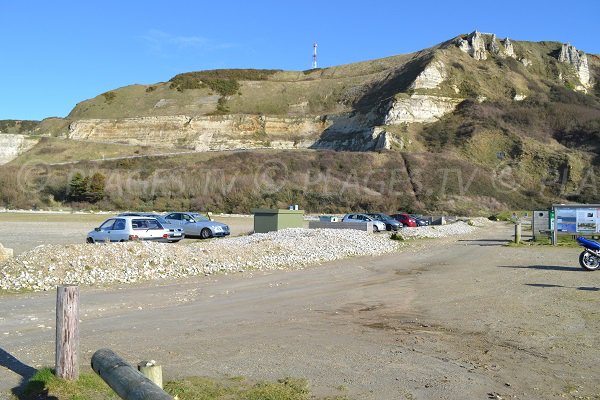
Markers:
(323, 90)
(53, 150)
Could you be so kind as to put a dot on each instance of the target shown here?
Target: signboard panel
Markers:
(576, 219)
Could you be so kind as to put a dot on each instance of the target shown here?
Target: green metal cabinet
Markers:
(268, 220)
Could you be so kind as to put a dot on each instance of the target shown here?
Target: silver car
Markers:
(195, 224)
(377, 225)
(175, 231)
(122, 229)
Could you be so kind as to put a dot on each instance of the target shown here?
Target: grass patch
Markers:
(397, 236)
(90, 386)
(52, 150)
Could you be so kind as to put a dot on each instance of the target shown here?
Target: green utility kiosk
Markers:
(268, 220)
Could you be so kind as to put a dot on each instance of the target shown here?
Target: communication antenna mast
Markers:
(314, 64)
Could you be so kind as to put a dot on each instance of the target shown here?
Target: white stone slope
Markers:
(92, 264)
(12, 145)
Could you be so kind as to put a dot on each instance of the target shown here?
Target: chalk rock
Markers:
(526, 62)
(493, 46)
(420, 108)
(478, 51)
(578, 59)
(508, 48)
(5, 253)
(431, 77)
(474, 46)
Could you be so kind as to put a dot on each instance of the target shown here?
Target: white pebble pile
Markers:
(46, 266)
(438, 231)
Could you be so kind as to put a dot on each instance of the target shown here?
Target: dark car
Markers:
(421, 221)
(390, 223)
(405, 219)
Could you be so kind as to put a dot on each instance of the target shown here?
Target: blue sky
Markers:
(58, 53)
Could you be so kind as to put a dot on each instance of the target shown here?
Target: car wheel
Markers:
(388, 227)
(89, 240)
(375, 228)
(205, 233)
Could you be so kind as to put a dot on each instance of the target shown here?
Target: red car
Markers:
(405, 219)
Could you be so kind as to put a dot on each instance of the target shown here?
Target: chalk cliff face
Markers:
(420, 108)
(203, 133)
(12, 145)
(570, 55)
(431, 77)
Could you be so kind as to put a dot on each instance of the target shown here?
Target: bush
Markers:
(222, 81)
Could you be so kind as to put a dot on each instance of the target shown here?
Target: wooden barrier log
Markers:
(67, 332)
(125, 380)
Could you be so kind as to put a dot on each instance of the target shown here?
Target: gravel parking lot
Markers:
(460, 317)
(24, 231)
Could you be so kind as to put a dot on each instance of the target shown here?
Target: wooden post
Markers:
(67, 332)
(518, 232)
(127, 382)
(151, 371)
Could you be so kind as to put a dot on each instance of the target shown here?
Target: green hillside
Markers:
(524, 135)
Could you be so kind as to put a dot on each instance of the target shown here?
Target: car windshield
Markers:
(159, 218)
(199, 217)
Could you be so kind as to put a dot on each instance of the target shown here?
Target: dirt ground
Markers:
(459, 318)
(24, 231)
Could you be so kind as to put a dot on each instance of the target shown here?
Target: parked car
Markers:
(377, 225)
(176, 232)
(421, 221)
(405, 219)
(124, 228)
(195, 224)
(390, 223)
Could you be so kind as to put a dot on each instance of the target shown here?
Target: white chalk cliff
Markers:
(12, 145)
(570, 55)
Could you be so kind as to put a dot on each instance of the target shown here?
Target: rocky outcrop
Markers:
(431, 77)
(474, 45)
(375, 138)
(570, 55)
(419, 108)
(493, 46)
(226, 132)
(12, 145)
(508, 48)
(526, 62)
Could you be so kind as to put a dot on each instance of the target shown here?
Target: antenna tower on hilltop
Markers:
(314, 64)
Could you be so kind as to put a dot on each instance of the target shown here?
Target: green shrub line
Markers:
(223, 81)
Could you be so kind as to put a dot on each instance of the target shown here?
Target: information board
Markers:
(577, 219)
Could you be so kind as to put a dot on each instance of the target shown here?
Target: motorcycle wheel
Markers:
(589, 261)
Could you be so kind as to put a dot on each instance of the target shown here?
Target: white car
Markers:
(125, 228)
(377, 225)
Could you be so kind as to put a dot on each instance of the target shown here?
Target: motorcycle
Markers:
(590, 257)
